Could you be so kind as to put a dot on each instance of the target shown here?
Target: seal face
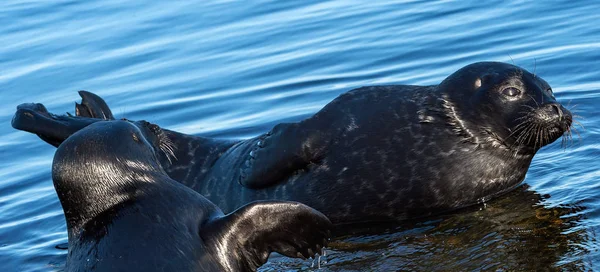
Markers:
(375, 153)
(514, 108)
(124, 213)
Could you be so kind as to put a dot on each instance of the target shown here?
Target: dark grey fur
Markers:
(125, 214)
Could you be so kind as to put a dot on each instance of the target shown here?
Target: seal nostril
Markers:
(557, 110)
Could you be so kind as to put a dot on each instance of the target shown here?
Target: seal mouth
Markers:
(159, 139)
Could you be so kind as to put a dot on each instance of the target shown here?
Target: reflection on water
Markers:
(513, 232)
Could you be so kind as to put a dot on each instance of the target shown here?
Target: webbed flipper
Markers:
(248, 235)
(92, 106)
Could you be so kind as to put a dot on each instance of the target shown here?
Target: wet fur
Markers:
(385, 152)
(124, 213)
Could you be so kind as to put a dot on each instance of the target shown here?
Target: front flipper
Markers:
(280, 153)
(244, 238)
(93, 106)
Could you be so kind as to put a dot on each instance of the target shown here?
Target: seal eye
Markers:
(511, 91)
(549, 91)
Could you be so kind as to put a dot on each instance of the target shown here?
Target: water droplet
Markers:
(319, 262)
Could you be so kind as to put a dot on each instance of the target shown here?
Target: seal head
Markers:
(505, 106)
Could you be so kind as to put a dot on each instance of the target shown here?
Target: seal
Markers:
(124, 213)
(374, 153)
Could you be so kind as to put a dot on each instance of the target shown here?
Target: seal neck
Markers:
(192, 154)
(99, 190)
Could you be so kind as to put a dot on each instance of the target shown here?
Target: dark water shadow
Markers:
(515, 232)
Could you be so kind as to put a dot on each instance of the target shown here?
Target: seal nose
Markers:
(556, 108)
(553, 112)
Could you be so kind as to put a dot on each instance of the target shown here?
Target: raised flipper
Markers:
(54, 129)
(279, 154)
(246, 237)
(93, 106)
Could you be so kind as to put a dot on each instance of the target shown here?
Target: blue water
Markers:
(233, 69)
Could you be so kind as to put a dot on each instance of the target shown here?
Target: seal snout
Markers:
(554, 113)
(557, 110)
(554, 118)
(541, 125)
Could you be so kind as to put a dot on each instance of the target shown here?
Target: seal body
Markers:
(392, 152)
(385, 152)
(124, 213)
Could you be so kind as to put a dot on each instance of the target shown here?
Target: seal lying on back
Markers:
(125, 214)
(374, 153)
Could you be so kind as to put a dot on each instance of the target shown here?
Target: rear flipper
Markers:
(286, 149)
(92, 106)
(245, 238)
(54, 129)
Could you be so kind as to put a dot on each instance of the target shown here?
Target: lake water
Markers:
(234, 69)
